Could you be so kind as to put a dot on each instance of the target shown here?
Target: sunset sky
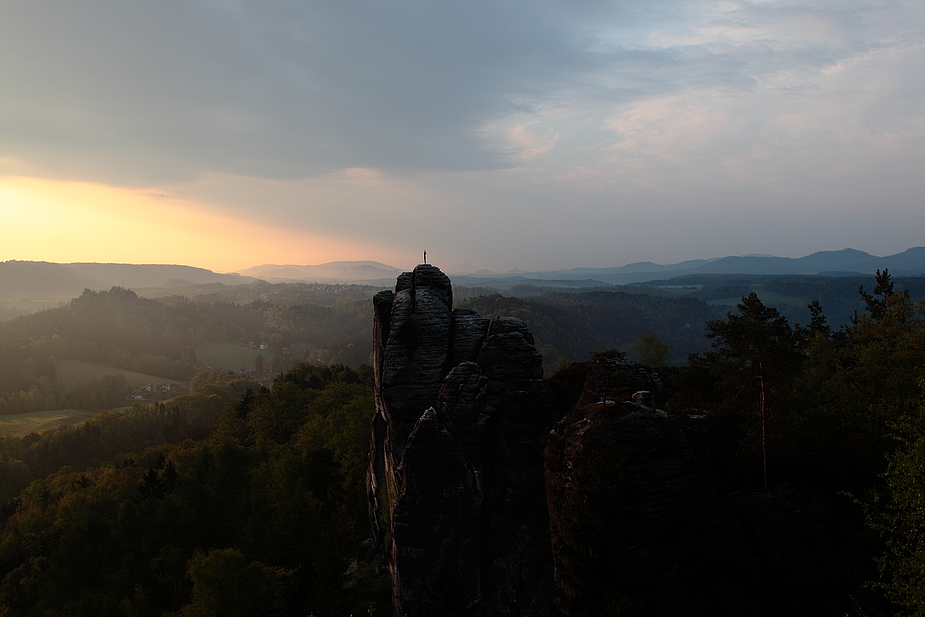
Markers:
(531, 135)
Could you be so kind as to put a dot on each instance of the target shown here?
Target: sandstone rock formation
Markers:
(490, 488)
(638, 527)
(455, 481)
(635, 525)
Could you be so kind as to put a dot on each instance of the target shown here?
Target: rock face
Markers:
(635, 525)
(455, 479)
(638, 527)
(615, 379)
(493, 492)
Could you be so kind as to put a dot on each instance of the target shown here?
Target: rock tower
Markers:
(455, 479)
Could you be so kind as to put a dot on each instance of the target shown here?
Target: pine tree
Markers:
(758, 353)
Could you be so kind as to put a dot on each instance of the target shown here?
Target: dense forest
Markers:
(829, 416)
(243, 500)
(311, 322)
(159, 337)
(229, 501)
(330, 323)
(789, 294)
(571, 326)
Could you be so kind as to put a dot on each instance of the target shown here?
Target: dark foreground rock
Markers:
(457, 496)
(493, 492)
(634, 525)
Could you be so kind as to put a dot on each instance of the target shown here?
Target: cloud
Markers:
(288, 90)
(52, 220)
(166, 91)
(559, 121)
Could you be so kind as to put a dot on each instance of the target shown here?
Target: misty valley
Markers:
(699, 444)
(548, 309)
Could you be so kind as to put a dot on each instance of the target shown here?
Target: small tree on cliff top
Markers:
(652, 352)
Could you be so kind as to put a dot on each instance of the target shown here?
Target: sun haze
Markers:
(61, 221)
(566, 135)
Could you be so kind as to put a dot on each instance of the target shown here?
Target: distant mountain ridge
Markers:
(40, 279)
(56, 281)
(830, 263)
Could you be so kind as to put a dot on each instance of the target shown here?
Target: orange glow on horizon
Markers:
(64, 222)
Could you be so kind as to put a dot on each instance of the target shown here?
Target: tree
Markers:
(879, 361)
(883, 291)
(898, 514)
(652, 352)
(225, 583)
(758, 353)
(817, 321)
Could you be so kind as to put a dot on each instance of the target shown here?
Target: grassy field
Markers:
(231, 356)
(24, 423)
(73, 372)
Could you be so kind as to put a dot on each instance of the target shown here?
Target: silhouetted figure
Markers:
(425, 256)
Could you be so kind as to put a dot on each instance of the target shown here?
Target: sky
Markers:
(536, 135)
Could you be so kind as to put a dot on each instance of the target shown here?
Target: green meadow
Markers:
(72, 372)
(21, 424)
(231, 356)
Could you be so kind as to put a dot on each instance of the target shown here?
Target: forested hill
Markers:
(107, 325)
(159, 335)
(117, 328)
(241, 500)
(165, 336)
(65, 281)
(572, 325)
(233, 500)
(790, 294)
